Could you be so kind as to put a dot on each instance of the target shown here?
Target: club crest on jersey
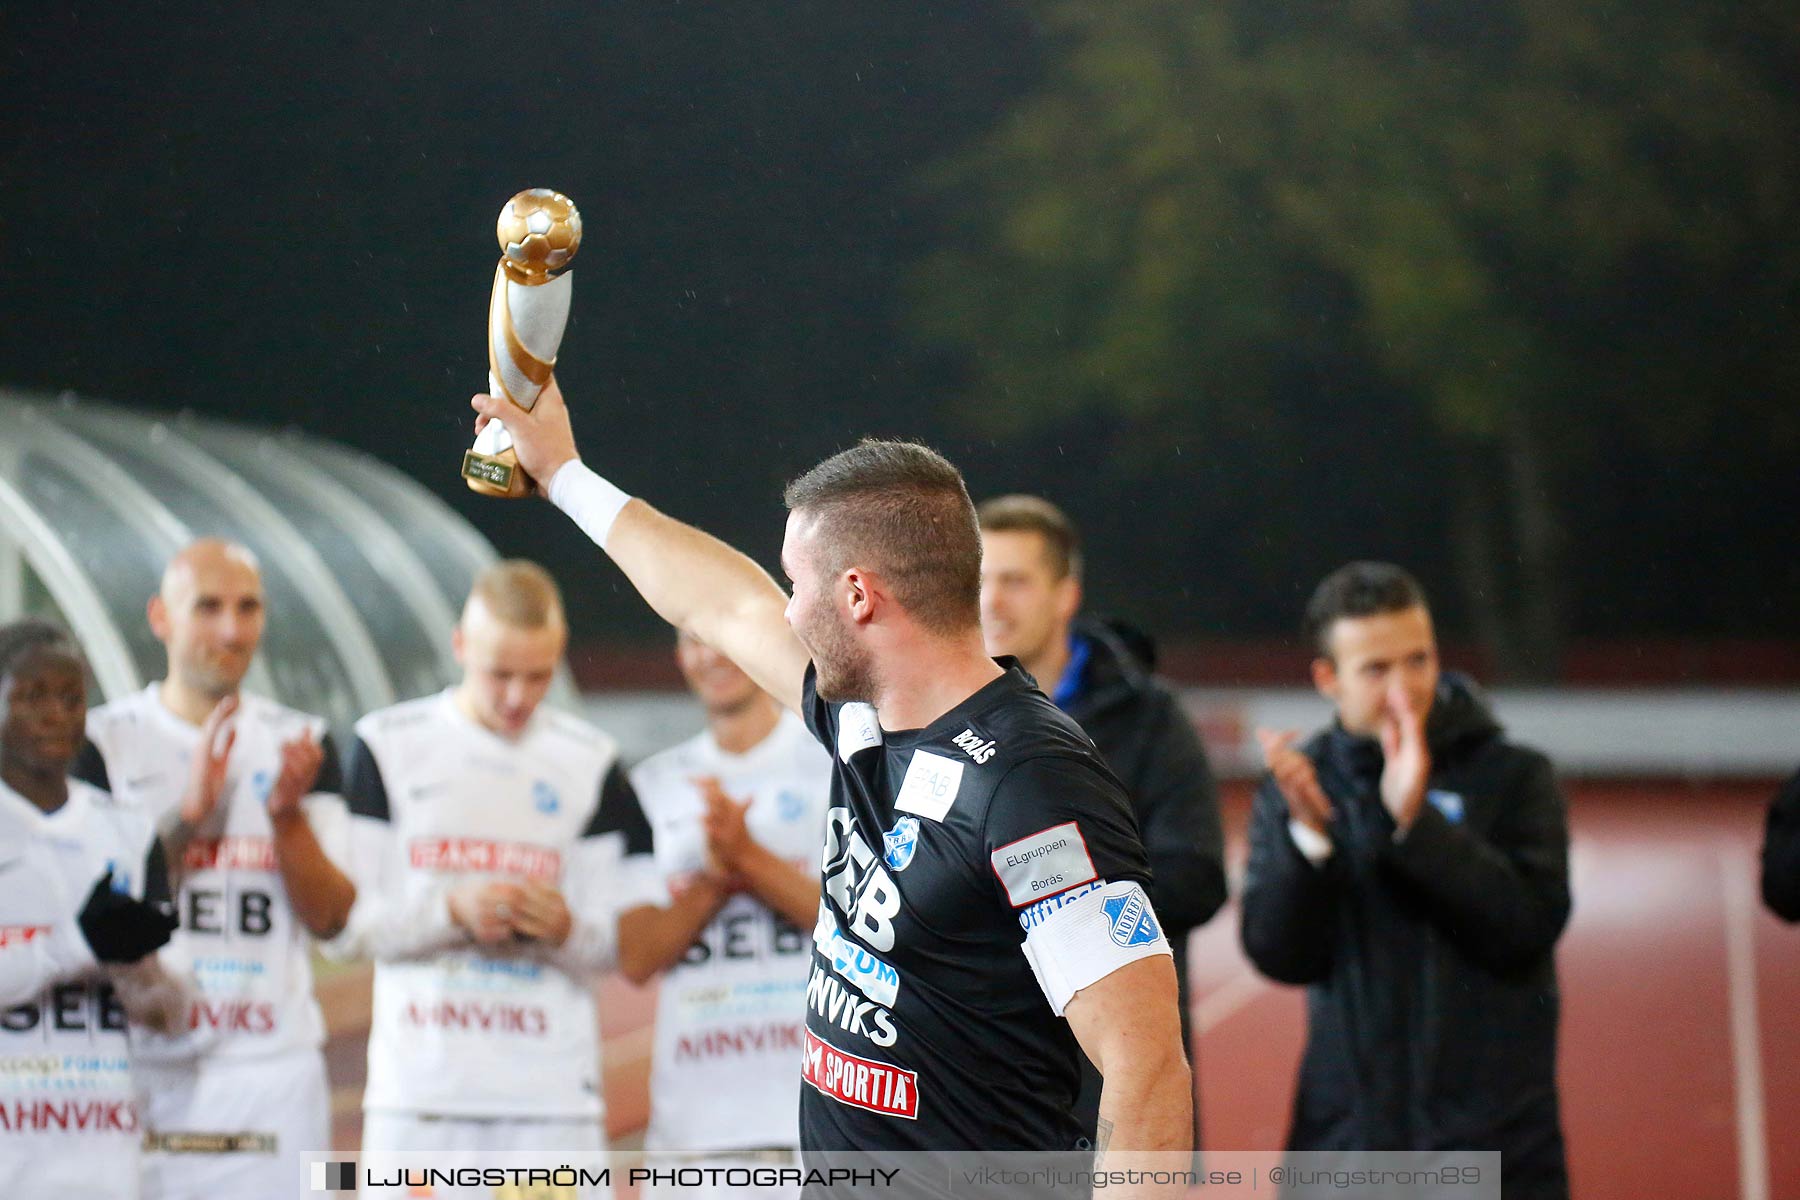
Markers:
(1133, 924)
(790, 806)
(974, 746)
(544, 798)
(261, 784)
(899, 843)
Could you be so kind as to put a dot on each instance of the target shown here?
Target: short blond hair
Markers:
(1020, 513)
(519, 593)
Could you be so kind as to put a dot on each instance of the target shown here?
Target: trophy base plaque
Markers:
(495, 475)
(491, 466)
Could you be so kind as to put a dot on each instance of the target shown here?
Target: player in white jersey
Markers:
(746, 799)
(244, 792)
(82, 884)
(489, 838)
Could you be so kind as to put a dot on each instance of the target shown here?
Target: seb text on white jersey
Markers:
(731, 1015)
(248, 954)
(69, 1125)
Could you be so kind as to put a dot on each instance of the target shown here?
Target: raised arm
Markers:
(693, 580)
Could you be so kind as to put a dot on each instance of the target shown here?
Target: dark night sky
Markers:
(288, 218)
(285, 214)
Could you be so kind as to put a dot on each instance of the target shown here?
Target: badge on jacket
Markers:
(1448, 803)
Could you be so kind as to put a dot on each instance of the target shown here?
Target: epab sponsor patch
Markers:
(930, 786)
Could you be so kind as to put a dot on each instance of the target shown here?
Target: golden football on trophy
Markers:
(539, 232)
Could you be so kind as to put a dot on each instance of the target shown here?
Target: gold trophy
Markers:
(539, 232)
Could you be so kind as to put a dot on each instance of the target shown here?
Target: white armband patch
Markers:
(1077, 939)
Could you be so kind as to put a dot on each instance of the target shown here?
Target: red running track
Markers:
(1660, 1087)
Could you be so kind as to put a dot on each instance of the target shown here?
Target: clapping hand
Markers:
(300, 761)
(726, 828)
(212, 758)
(1406, 758)
(1294, 775)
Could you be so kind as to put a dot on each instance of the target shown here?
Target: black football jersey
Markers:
(927, 1028)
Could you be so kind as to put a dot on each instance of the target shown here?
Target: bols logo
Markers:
(974, 746)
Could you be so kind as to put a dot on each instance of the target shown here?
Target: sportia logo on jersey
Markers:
(860, 1082)
(899, 843)
(974, 746)
(1133, 924)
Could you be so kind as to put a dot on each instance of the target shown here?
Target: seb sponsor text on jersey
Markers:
(232, 1101)
(248, 955)
(436, 800)
(730, 1015)
(977, 873)
(69, 1125)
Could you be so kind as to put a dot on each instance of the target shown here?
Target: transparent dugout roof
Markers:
(365, 570)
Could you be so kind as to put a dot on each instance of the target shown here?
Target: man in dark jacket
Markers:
(1100, 674)
(1781, 853)
(1410, 866)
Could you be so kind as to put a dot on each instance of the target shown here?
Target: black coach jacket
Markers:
(1431, 1002)
(1147, 738)
(1781, 853)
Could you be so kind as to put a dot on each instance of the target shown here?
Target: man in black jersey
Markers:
(983, 905)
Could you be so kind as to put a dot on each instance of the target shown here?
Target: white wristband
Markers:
(590, 501)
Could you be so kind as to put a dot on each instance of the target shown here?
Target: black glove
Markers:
(120, 929)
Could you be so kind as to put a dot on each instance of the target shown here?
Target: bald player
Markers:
(502, 860)
(244, 793)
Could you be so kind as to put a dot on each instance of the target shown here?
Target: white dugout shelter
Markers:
(364, 569)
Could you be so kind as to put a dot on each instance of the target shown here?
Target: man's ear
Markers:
(1325, 678)
(1068, 598)
(859, 594)
(157, 614)
(456, 643)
